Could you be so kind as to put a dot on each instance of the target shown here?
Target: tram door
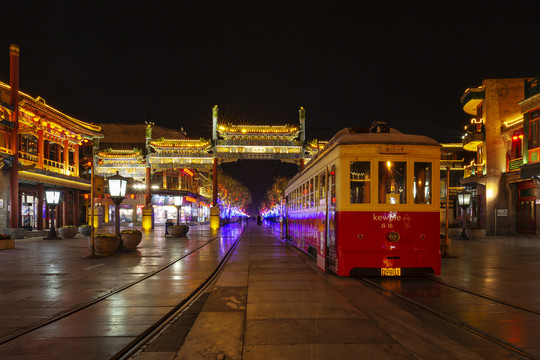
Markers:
(526, 207)
(331, 255)
(321, 186)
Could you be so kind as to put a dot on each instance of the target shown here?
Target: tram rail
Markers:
(154, 329)
(144, 339)
(458, 322)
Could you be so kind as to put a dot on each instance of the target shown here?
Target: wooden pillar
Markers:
(76, 160)
(39, 213)
(66, 157)
(41, 148)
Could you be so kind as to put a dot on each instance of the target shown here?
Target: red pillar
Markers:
(76, 211)
(40, 207)
(65, 208)
(148, 195)
(14, 175)
(214, 183)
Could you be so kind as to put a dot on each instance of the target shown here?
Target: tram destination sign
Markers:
(392, 149)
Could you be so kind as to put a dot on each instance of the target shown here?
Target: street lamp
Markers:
(52, 197)
(464, 200)
(178, 200)
(117, 190)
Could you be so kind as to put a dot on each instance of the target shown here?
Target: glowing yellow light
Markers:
(389, 164)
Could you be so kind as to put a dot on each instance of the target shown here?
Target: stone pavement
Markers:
(271, 303)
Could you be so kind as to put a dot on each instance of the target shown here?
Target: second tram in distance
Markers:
(368, 204)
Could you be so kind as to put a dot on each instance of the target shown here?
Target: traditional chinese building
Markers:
(160, 164)
(40, 148)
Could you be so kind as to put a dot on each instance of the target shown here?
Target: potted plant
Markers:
(178, 230)
(105, 243)
(85, 230)
(67, 231)
(131, 238)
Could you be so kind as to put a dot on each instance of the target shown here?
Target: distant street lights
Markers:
(52, 197)
(117, 190)
(464, 200)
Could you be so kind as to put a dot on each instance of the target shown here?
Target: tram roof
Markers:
(364, 136)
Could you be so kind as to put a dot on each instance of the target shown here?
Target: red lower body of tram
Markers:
(370, 243)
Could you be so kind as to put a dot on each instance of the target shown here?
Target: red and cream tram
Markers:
(368, 204)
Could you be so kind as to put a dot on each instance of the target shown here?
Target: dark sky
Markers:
(347, 63)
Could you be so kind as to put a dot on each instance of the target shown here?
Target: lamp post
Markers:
(464, 200)
(52, 197)
(178, 200)
(117, 190)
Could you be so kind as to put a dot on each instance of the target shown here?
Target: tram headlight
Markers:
(393, 236)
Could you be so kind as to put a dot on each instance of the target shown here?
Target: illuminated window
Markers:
(422, 183)
(360, 180)
(332, 185)
(392, 182)
(311, 195)
(316, 191)
(322, 185)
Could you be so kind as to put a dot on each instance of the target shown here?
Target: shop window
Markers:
(392, 182)
(534, 130)
(360, 182)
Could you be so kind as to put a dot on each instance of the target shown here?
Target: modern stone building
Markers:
(502, 187)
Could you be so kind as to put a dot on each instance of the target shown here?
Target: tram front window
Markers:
(360, 182)
(392, 182)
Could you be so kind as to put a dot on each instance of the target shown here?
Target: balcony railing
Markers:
(472, 140)
(49, 165)
(474, 170)
(514, 164)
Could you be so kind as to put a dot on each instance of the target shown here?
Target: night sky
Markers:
(346, 63)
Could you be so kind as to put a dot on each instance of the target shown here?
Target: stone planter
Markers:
(454, 233)
(475, 234)
(105, 245)
(177, 231)
(131, 241)
(85, 230)
(67, 232)
(6, 244)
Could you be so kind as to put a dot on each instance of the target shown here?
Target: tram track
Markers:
(151, 330)
(461, 323)
(146, 338)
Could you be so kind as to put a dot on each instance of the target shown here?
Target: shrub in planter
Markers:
(106, 243)
(131, 238)
(67, 231)
(85, 230)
